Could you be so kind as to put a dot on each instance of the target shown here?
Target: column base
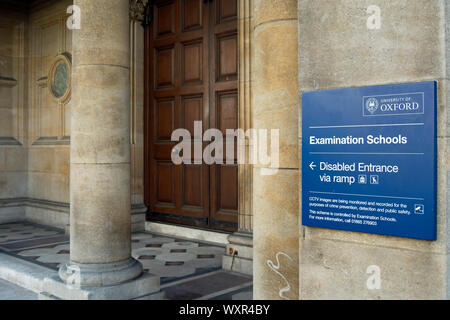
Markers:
(239, 253)
(145, 287)
(100, 275)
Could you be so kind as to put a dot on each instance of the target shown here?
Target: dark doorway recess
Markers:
(191, 74)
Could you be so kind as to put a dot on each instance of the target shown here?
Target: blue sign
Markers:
(369, 159)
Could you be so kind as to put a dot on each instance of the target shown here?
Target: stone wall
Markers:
(35, 127)
(49, 120)
(337, 50)
(13, 100)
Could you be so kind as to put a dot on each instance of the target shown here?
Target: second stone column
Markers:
(100, 221)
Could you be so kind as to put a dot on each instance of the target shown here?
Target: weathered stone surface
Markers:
(147, 284)
(10, 214)
(338, 270)
(239, 253)
(276, 208)
(15, 159)
(101, 39)
(47, 216)
(101, 122)
(337, 50)
(13, 184)
(237, 264)
(100, 183)
(274, 10)
(275, 106)
(29, 114)
(100, 213)
(275, 88)
(100, 275)
(56, 186)
(13, 101)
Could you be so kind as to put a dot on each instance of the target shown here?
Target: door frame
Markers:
(245, 171)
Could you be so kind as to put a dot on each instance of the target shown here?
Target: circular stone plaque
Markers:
(59, 78)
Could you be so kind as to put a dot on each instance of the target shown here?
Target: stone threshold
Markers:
(188, 233)
(23, 273)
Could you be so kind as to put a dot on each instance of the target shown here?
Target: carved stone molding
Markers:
(245, 114)
(137, 9)
(55, 205)
(42, 82)
(7, 82)
(9, 141)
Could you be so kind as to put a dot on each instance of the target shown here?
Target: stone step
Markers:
(146, 285)
(23, 273)
(47, 284)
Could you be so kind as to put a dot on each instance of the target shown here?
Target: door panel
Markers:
(191, 75)
(165, 115)
(164, 18)
(226, 11)
(191, 15)
(192, 63)
(224, 111)
(191, 111)
(164, 57)
(192, 181)
(226, 47)
(165, 194)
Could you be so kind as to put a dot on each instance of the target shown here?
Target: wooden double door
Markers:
(191, 75)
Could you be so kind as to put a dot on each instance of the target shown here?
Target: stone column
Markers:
(239, 252)
(100, 221)
(275, 105)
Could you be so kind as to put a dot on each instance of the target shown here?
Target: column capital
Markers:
(137, 9)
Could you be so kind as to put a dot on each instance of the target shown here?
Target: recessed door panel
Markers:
(192, 59)
(192, 111)
(164, 67)
(192, 15)
(165, 18)
(191, 75)
(164, 174)
(164, 119)
(226, 57)
(192, 186)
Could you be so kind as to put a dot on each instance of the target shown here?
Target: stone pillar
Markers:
(100, 221)
(275, 105)
(239, 252)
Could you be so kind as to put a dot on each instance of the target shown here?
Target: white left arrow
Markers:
(312, 166)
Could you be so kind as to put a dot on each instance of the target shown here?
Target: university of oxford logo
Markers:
(372, 105)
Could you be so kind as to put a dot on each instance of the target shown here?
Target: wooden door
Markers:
(191, 75)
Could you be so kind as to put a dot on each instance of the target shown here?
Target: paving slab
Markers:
(186, 269)
(9, 291)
